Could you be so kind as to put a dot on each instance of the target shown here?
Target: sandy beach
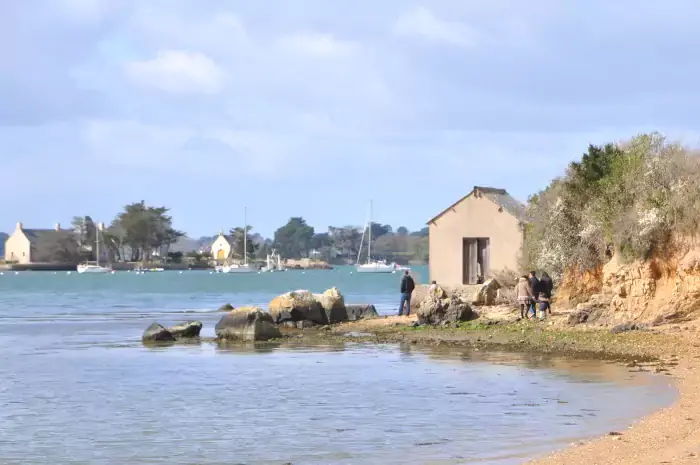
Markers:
(671, 435)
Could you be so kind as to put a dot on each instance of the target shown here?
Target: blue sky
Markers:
(312, 107)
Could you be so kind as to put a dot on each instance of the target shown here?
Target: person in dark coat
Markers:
(407, 287)
(535, 286)
(546, 288)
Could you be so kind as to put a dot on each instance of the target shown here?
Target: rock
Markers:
(487, 293)
(226, 308)
(361, 312)
(304, 324)
(628, 327)
(297, 306)
(247, 324)
(157, 333)
(587, 312)
(186, 330)
(333, 303)
(451, 309)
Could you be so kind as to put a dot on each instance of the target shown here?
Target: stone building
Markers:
(476, 237)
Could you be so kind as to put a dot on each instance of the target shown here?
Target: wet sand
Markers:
(671, 435)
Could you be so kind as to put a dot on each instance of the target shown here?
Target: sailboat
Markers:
(274, 262)
(88, 267)
(245, 267)
(372, 266)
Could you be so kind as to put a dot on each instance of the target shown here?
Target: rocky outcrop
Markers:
(333, 304)
(157, 333)
(651, 292)
(226, 308)
(360, 312)
(487, 293)
(591, 311)
(189, 329)
(450, 309)
(247, 324)
(297, 306)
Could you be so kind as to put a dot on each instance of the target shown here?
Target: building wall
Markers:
(473, 217)
(17, 248)
(220, 248)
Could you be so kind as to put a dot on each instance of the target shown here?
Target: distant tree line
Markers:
(142, 232)
(139, 232)
(297, 239)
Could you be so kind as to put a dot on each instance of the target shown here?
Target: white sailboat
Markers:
(274, 262)
(245, 267)
(372, 266)
(95, 267)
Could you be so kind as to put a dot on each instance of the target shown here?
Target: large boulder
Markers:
(297, 306)
(435, 311)
(157, 333)
(360, 312)
(247, 324)
(188, 329)
(333, 303)
(487, 293)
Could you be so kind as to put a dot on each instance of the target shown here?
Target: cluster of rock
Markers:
(300, 309)
(158, 333)
(440, 308)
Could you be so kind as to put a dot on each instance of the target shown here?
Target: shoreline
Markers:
(669, 435)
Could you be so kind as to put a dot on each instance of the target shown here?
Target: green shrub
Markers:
(630, 198)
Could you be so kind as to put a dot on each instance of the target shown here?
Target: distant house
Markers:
(222, 247)
(55, 245)
(477, 236)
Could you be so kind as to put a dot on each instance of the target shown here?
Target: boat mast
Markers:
(97, 243)
(369, 234)
(245, 236)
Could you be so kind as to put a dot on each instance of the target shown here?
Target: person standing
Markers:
(524, 296)
(535, 290)
(407, 287)
(546, 288)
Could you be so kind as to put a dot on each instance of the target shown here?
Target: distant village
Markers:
(480, 235)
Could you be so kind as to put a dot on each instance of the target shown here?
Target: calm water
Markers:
(77, 387)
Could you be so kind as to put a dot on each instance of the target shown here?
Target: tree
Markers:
(145, 229)
(293, 240)
(378, 230)
(346, 240)
(84, 229)
(422, 233)
(237, 236)
(322, 244)
(402, 231)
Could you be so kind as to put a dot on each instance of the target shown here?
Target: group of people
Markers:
(532, 292)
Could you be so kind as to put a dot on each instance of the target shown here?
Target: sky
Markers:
(313, 108)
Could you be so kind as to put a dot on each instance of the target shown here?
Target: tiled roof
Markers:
(505, 200)
(46, 242)
(500, 197)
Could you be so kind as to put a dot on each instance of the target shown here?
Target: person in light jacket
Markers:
(523, 292)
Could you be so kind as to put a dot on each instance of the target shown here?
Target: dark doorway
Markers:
(475, 259)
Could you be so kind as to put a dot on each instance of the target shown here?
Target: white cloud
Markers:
(178, 72)
(317, 45)
(422, 22)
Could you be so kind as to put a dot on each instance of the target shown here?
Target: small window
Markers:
(23, 254)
